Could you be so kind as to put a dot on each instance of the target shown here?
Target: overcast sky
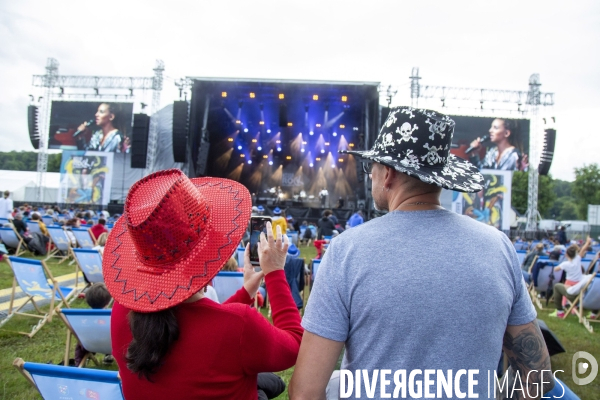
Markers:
(479, 44)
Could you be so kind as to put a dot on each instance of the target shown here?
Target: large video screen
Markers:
(91, 126)
(492, 143)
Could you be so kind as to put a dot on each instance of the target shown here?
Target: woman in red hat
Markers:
(168, 339)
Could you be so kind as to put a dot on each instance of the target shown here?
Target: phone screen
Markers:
(257, 225)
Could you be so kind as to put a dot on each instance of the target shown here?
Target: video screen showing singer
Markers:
(504, 154)
(107, 137)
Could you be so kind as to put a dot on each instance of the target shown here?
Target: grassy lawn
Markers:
(49, 344)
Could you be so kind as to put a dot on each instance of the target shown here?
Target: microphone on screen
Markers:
(483, 139)
(87, 123)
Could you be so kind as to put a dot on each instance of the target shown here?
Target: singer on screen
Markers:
(107, 137)
(504, 154)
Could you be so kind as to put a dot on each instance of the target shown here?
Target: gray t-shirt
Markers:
(419, 290)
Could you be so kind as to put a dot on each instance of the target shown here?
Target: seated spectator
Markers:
(232, 266)
(36, 218)
(572, 267)
(97, 297)
(21, 227)
(101, 243)
(99, 228)
(172, 342)
(326, 225)
(537, 251)
(70, 224)
(355, 219)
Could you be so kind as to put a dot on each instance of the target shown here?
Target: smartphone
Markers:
(258, 224)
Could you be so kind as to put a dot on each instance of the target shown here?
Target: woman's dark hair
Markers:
(116, 110)
(97, 296)
(153, 334)
(515, 132)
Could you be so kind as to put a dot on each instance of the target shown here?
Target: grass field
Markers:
(49, 344)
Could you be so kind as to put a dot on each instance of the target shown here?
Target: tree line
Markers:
(27, 161)
(558, 199)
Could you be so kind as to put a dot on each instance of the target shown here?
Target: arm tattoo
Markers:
(526, 351)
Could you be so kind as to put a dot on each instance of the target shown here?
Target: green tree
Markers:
(546, 195)
(54, 162)
(568, 210)
(586, 188)
(563, 188)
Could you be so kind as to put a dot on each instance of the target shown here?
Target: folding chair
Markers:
(59, 382)
(91, 327)
(89, 262)
(293, 236)
(240, 255)
(62, 247)
(226, 283)
(543, 278)
(585, 263)
(314, 268)
(83, 237)
(34, 227)
(588, 299)
(521, 254)
(11, 238)
(3, 221)
(32, 277)
(48, 220)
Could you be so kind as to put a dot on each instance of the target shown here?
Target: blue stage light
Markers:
(239, 147)
(268, 131)
(259, 148)
(322, 151)
(270, 162)
(249, 161)
(302, 150)
(246, 130)
(334, 134)
(279, 149)
(311, 133)
(332, 165)
(311, 165)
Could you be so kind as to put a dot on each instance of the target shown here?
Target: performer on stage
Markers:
(323, 196)
(108, 137)
(505, 155)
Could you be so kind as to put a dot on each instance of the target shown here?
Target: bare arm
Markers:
(526, 350)
(583, 250)
(316, 361)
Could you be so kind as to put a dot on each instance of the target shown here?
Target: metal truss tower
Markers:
(533, 101)
(51, 82)
(157, 84)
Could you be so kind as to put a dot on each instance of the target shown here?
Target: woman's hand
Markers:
(252, 278)
(83, 126)
(475, 143)
(272, 251)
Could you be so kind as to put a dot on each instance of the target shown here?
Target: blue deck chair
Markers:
(34, 227)
(226, 283)
(3, 221)
(91, 328)
(83, 237)
(588, 299)
(59, 382)
(315, 268)
(240, 255)
(89, 261)
(32, 277)
(12, 239)
(293, 237)
(62, 247)
(543, 278)
(585, 262)
(48, 220)
(521, 254)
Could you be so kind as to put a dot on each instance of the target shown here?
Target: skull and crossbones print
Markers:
(437, 127)
(432, 156)
(406, 131)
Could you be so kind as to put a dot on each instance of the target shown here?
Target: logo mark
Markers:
(580, 368)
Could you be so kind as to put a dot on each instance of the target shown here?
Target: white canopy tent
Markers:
(22, 185)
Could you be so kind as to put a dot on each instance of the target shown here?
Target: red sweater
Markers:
(98, 230)
(221, 347)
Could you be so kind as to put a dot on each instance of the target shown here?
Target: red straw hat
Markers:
(173, 238)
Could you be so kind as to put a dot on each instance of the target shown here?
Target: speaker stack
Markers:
(32, 120)
(180, 131)
(547, 152)
(139, 140)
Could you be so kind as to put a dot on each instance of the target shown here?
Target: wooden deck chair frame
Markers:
(591, 265)
(21, 247)
(42, 317)
(532, 290)
(72, 332)
(577, 305)
(58, 371)
(55, 252)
